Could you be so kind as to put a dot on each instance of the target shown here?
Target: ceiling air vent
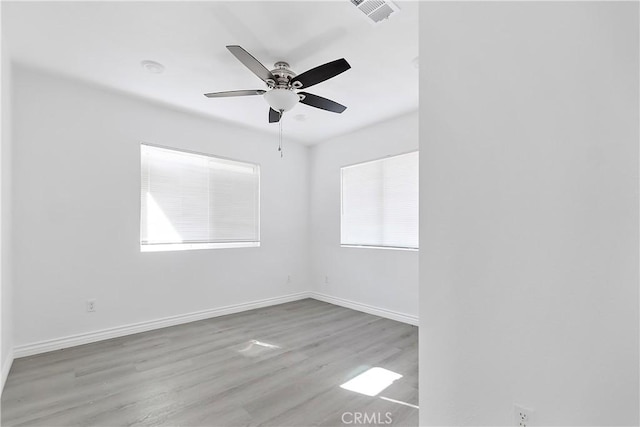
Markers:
(376, 10)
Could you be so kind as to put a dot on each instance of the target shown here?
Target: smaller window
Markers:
(380, 203)
(197, 201)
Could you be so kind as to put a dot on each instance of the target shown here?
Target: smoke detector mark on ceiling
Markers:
(376, 10)
(152, 67)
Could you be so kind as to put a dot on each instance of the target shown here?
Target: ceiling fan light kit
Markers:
(281, 99)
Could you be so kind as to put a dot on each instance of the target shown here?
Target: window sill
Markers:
(380, 247)
(196, 246)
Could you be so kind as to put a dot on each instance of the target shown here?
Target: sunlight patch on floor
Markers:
(372, 381)
(400, 402)
(255, 348)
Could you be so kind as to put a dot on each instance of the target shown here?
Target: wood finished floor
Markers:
(276, 366)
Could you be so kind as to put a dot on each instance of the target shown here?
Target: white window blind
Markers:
(380, 203)
(195, 201)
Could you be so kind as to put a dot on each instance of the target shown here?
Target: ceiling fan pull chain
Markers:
(280, 142)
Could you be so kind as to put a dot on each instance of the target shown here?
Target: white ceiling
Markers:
(104, 42)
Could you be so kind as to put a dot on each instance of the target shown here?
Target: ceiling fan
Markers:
(282, 84)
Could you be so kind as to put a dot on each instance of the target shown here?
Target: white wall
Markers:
(6, 284)
(529, 212)
(384, 279)
(76, 215)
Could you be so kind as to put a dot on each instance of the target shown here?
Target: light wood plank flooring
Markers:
(275, 366)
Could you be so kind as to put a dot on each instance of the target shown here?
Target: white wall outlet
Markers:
(289, 279)
(91, 305)
(522, 417)
(326, 279)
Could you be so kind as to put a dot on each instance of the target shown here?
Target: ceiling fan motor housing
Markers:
(283, 75)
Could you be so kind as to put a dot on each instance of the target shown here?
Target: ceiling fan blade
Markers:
(235, 93)
(320, 73)
(251, 63)
(322, 103)
(274, 116)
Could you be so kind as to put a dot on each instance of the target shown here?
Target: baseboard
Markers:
(119, 331)
(6, 367)
(382, 312)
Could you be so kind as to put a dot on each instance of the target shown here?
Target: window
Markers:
(196, 201)
(380, 203)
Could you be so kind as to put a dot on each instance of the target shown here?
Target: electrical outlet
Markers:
(289, 279)
(522, 417)
(91, 305)
(326, 279)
